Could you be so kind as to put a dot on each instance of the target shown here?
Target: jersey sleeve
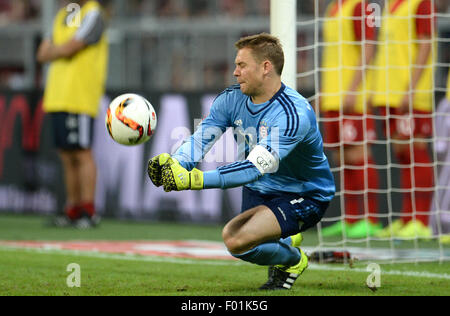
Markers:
(91, 28)
(231, 175)
(195, 147)
(424, 19)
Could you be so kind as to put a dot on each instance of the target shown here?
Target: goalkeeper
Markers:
(286, 176)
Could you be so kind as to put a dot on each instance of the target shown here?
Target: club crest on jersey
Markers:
(263, 130)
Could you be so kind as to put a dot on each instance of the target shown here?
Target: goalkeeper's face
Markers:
(249, 73)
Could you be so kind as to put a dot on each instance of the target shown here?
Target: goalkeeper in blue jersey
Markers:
(287, 180)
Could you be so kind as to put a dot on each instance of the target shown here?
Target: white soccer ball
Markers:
(130, 119)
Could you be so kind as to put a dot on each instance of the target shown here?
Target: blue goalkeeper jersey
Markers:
(285, 126)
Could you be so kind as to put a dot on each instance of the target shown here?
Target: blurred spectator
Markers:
(304, 64)
(198, 8)
(13, 11)
(233, 8)
(441, 6)
(78, 56)
(170, 9)
(215, 75)
(194, 8)
(262, 7)
(134, 7)
(309, 7)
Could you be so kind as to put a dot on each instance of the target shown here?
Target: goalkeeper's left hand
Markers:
(176, 178)
(154, 168)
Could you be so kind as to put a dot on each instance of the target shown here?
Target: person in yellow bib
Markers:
(348, 35)
(402, 91)
(77, 51)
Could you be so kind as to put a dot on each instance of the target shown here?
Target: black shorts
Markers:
(294, 213)
(72, 131)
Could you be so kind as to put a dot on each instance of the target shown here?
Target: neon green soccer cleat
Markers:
(296, 240)
(282, 278)
(415, 229)
(337, 229)
(363, 229)
(299, 267)
(391, 230)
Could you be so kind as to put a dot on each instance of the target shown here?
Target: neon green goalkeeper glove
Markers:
(177, 178)
(154, 168)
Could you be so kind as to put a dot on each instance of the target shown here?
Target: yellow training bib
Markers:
(341, 56)
(397, 51)
(76, 84)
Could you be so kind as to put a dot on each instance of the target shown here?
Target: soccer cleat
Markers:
(336, 229)
(272, 271)
(300, 266)
(59, 221)
(282, 278)
(296, 240)
(414, 229)
(86, 223)
(391, 230)
(363, 229)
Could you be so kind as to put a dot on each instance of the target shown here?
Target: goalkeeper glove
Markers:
(177, 178)
(154, 168)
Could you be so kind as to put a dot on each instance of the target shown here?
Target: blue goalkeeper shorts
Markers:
(294, 213)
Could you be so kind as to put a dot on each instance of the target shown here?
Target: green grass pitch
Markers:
(44, 272)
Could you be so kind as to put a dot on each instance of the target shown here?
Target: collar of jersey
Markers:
(255, 109)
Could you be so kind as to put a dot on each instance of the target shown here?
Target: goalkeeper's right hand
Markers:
(177, 178)
(154, 168)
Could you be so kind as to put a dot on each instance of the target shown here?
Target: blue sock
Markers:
(287, 240)
(271, 253)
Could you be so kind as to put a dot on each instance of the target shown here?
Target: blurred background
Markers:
(177, 45)
(160, 48)
(161, 45)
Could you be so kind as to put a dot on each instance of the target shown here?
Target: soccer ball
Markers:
(130, 119)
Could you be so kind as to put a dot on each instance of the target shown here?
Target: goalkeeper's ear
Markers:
(264, 159)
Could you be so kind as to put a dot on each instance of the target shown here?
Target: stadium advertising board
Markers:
(31, 176)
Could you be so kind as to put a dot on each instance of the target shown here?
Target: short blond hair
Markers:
(264, 46)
